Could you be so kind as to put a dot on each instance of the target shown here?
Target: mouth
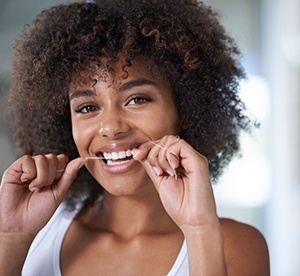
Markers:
(116, 158)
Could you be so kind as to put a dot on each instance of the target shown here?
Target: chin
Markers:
(124, 185)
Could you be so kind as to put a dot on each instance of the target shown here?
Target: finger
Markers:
(164, 156)
(62, 163)
(67, 178)
(52, 168)
(153, 174)
(157, 153)
(42, 175)
(153, 156)
(21, 171)
(167, 148)
(56, 165)
(142, 151)
(173, 160)
(149, 151)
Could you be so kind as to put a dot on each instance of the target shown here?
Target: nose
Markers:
(112, 124)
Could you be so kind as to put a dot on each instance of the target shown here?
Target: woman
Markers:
(142, 98)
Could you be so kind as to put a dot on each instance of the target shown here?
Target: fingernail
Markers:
(33, 189)
(156, 171)
(24, 179)
(169, 172)
(173, 160)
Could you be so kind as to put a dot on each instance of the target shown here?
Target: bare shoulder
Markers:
(246, 250)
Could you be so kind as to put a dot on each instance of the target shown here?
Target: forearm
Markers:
(13, 252)
(205, 250)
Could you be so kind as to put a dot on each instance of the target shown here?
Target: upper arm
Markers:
(246, 251)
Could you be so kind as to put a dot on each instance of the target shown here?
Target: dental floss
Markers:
(85, 159)
(167, 149)
(151, 141)
(172, 152)
(164, 148)
(93, 158)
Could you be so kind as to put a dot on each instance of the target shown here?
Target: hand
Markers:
(181, 177)
(31, 190)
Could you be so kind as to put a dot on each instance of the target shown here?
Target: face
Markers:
(112, 116)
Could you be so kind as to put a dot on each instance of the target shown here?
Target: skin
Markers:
(136, 104)
(150, 203)
(28, 199)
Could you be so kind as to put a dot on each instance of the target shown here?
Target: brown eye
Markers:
(138, 100)
(86, 109)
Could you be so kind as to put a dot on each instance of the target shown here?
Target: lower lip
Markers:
(119, 167)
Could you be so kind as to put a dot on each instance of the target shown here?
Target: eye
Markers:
(138, 100)
(86, 109)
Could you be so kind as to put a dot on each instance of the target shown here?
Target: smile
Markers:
(116, 158)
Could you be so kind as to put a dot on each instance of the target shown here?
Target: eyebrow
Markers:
(123, 87)
(136, 82)
(81, 93)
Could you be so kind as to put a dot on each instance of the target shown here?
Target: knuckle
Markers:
(63, 157)
(51, 156)
(40, 158)
(151, 159)
(26, 158)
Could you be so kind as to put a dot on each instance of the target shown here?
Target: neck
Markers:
(128, 217)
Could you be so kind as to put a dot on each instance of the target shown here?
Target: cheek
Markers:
(174, 120)
(82, 135)
(161, 123)
(169, 119)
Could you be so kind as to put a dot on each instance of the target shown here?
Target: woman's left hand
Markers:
(181, 177)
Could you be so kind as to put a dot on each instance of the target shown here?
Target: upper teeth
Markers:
(117, 155)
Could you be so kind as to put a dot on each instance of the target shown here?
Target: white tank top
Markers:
(43, 258)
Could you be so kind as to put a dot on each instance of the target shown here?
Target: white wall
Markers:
(281, 52)
(272, 28)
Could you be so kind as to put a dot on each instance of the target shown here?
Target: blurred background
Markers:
(263, 187)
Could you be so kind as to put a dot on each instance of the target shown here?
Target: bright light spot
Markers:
(254, 91)
(291, 49)
(246, 183)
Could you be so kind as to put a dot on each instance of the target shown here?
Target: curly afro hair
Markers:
(181, 39)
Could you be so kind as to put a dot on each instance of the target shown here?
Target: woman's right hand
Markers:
(31, 190)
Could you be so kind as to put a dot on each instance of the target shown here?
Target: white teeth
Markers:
(111, 162)
(117, 155)
(114, 156)
(107, 155)
(122, 154)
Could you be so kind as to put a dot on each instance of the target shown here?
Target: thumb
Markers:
(67, 178)
(154, 173)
